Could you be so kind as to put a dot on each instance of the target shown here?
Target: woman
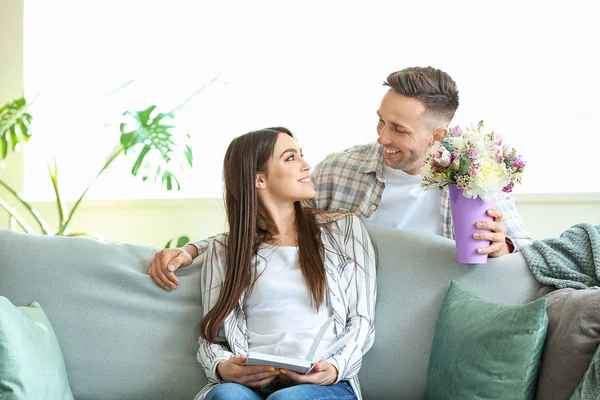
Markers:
(281, 273)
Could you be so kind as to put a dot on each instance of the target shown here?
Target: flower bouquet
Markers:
(478, 167)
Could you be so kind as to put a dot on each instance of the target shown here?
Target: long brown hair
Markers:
(250, 225)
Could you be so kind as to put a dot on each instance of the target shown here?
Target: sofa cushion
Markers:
(31, 361)
(414, 270)
(485, 350)
(573, 336)
(122, 336)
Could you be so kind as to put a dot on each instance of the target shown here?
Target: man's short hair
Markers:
(433, 87)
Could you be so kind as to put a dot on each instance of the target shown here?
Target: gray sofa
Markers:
(123, 337)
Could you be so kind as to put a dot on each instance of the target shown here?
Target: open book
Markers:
(293, 364)
(302, 366)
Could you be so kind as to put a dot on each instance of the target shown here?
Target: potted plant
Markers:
(145, 134)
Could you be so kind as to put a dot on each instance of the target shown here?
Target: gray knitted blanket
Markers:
(572, 260)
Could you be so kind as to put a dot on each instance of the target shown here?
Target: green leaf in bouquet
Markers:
(447, 143)
(463, 168)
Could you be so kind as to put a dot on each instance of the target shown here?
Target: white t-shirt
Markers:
(279, 315)
(406, 205)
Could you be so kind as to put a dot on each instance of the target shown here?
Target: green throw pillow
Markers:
(483, 350)
(31, 361)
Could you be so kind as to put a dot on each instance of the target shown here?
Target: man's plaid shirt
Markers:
(352, 181)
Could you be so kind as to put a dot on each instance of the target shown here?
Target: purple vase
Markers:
(465, 214)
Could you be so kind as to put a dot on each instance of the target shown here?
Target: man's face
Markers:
(403, 134)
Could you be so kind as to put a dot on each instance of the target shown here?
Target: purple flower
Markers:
(508, 188)
(472, 154)
(518, 162)
(455, 131)
(474, 168)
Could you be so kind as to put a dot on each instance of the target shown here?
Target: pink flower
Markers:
(442, 157)
(455, 131)
(508, 188)
(489, 165)
(456, 164)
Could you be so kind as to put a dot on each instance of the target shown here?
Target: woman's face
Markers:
(287, 179)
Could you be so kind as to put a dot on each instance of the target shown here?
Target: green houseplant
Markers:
(146, 135)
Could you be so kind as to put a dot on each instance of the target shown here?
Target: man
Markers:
(380, 181)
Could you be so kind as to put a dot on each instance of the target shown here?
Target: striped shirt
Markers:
(352, 181)
(349, 262)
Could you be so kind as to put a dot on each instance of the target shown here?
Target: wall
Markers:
(151, 222)
(548, 214)
(154, 222)
(11, 76)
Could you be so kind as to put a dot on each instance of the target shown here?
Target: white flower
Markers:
(478, 142)
(489, 180)
(473, 164)
(517, 177)
(426, 172)
(458, 142)
(440, 155)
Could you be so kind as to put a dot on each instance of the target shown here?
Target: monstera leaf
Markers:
(14, 125)
(180, 242)
(161, 152)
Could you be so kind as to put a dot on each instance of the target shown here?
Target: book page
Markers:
(303, 366)
(315, 345)
(333, 348)
(294, 364)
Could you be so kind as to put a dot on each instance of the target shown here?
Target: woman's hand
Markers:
(323, 374)
(165, 262)
(253, 376)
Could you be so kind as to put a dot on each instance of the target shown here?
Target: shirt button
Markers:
(373, 207)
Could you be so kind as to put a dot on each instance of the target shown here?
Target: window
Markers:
(314, 67)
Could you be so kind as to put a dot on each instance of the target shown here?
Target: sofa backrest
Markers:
(123, 337)
(414, 271)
